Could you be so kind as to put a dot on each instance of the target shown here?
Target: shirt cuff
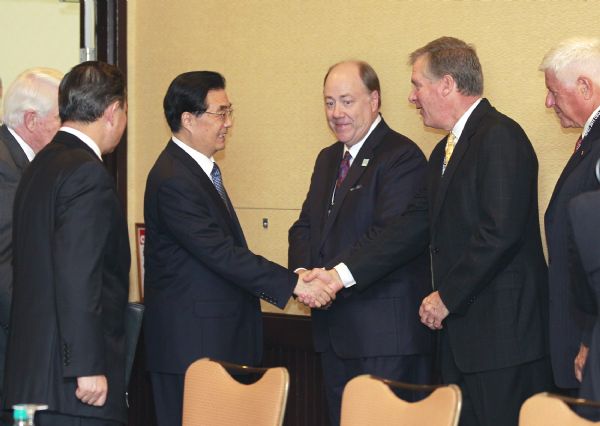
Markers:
(345, 275)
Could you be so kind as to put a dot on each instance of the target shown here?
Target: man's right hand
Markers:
(92, 390)
(313, 293)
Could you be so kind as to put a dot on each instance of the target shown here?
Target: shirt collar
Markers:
(355, 149)
(462, 121)
(84, 138)
(590, 122)
(203, 161)
(24, 146)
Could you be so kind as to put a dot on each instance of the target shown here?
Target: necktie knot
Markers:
(343, 170)
(450, 144)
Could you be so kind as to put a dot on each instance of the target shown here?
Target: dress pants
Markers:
(168, 398)
(51, 418)
(404, 368)
(494, 397)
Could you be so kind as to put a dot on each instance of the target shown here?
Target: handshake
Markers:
(317, 288)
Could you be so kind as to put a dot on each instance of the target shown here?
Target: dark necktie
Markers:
(218, 183)
(578, 144)
(343, 171)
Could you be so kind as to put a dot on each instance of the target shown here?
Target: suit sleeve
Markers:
(83, 222)
(9, 181)
(186, 212)
(584, 258)
(385, 249)
(506, 184)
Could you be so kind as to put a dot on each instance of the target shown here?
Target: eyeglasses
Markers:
(221, 114)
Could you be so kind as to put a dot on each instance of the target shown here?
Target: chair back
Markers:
(369, 400)
(544, 409)
(212, 397)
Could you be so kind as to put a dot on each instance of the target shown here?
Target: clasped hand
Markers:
(317, 288)
(433, 311)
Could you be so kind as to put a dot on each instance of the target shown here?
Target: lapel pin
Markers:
(365, 162)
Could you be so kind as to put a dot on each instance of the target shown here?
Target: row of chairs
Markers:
(213, 397)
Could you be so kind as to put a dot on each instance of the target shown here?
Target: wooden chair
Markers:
(545, 409)
(368, 400)
(212, 397)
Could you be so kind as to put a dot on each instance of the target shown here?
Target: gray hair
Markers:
(572, 56)
(454, 57)
(35, 89)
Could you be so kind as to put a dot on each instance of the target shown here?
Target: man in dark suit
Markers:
(585, 256)
(71, 263)
(358, 185)
(480, 214)
(571, 72)
(202, 283)
(583, 215)
(30, 122)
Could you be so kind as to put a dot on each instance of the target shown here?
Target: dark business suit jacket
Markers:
(568, 324)
(383, 320)
(202, 283)
(12, 163)
(583, 214)
(71, 267)
(485, 247)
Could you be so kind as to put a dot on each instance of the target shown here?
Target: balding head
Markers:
(351, 105)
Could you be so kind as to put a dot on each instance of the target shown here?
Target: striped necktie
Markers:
(218, 183)
(343, 170)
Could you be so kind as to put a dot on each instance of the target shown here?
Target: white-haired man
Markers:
(30, 121)
(572, 73)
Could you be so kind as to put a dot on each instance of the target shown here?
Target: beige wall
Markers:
(37, 33)
(274, 55)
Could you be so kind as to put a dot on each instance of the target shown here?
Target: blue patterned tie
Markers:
(218, 183)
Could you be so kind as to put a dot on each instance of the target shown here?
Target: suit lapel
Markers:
(460, 149)
(190, 164)
(328, 175)
(589, 143)
(16, 152)
(359, 165)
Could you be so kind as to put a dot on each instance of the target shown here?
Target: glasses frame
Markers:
(221, 114)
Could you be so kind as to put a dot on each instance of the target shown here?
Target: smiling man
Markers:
(572, 73)
(480, 215)
(202, 283)
(358, 185)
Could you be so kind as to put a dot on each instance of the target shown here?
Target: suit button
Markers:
(435, 250)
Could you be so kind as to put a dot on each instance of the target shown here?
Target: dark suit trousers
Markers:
(337, 372)
(50, 418)
(494, 397)
(168, 398)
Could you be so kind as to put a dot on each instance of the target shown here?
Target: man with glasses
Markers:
(202, 283)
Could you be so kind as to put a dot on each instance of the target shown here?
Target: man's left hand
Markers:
(433, 311)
